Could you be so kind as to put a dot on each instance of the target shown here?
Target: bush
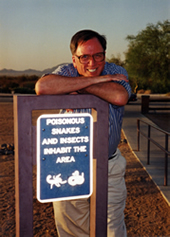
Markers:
(5, 90)
(30, 85)
(12, 85)
(24, 90)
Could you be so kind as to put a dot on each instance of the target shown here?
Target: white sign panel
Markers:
(64, 156)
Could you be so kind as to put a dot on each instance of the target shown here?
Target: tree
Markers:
(117, 60)
(147, 58)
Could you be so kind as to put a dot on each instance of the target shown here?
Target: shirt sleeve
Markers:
(66, 70)
(111, 68)
(125, 85)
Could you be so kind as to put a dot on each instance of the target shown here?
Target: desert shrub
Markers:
(30, 85)
(5, 90)
(141, 91)
(23, 90)
(12, 84)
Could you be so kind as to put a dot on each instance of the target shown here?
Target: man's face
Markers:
(91, 68)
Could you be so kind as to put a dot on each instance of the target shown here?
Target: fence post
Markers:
(166, 161)
(148, 152)
(138, 134)
(24, 136)
(145, 104)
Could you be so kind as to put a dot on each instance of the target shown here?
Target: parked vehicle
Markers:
(133, 97)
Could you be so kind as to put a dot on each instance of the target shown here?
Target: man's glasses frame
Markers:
(97, 57)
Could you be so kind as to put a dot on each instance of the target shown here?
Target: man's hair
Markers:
(85, 35)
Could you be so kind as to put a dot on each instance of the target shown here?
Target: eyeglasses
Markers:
(98, 57)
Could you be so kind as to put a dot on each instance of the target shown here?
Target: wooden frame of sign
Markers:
(27, 108)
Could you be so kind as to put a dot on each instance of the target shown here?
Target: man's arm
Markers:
(100, 86)
(56, 84)
(113, 93)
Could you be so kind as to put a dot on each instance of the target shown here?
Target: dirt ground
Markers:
(146, 213)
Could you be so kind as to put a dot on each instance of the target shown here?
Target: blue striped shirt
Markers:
(115, 112)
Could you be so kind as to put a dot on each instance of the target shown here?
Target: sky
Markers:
(35, 34)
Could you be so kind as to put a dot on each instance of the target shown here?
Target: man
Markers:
(90, 74)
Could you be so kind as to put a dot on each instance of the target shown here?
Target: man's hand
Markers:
(73, 93)
(117, 77)
(113, 93)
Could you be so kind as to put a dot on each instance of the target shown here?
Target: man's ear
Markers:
(74, 61)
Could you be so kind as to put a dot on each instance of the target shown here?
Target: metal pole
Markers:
(138, 134)
(145, 104)
(148, 152)
(166, 161)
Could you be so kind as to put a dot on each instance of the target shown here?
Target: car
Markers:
(133, 97)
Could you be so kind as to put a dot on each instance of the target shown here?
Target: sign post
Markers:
(25, 155)
(64, 156)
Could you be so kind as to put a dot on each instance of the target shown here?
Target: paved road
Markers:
(156, 167)
(6, 98)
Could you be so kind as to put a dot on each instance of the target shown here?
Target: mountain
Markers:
(10, 72)
(28, 72)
